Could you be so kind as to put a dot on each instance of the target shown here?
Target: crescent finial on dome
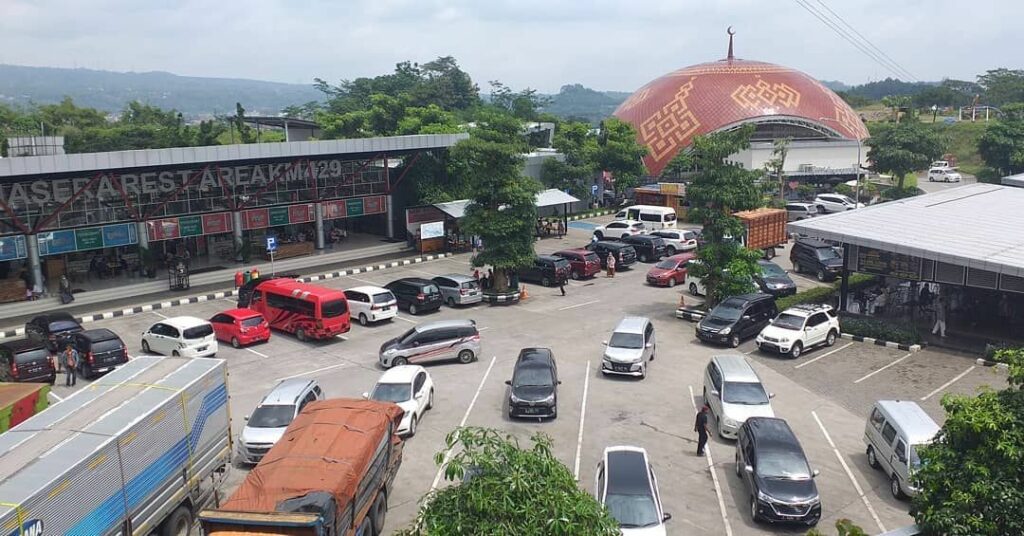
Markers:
(731, 33)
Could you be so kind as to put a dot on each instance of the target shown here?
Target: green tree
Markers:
(244, 130)
(972, 476)
(1002, 86)
(776, 165)
(503, 209)
(844, 527)
(577, 143)
(524, 104)
(903, 148)
(1002, 144)
(512, 491)
(619, 152)
(718, 189)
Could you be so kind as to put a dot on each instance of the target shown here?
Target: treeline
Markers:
(996, 87)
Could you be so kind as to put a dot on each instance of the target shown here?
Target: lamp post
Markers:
(856, 201)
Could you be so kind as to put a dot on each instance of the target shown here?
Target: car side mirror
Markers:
(746, 317)
(749, 469)
(648, 345)
(666, 517)
(771, 395)
(604, 343)
(713, 392)
(508, 382)
(415, 343)
(559, 382)
(366, 395)
(245, 418)
(815, 473)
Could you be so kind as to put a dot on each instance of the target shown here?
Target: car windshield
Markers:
(626, 340)
(730, 310)
(667, 264)
(333, 308)
(252, 322)
(198, 332)
(408, 335)
(827, 254)
(107, 345)
(392, 392)
(770, 269)
(383, 297)
(431, 289)
(532, 376)
(272, 416)
(789, 321)
(915, 461)
(632, 511)
(472, 285)
(591, 257)
(746, 393)
(788, 464)
(63, 325)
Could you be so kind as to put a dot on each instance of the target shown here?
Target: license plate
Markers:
(620, 368)
(531, 410)
(386, 308)
(201, 349)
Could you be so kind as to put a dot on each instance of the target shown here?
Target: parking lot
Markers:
(824, 395)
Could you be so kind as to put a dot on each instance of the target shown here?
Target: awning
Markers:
(554, 196)
(455, 209)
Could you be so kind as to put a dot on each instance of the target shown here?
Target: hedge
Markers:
(825, 294)
(885, 330)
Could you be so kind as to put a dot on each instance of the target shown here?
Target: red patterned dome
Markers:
(668, 112)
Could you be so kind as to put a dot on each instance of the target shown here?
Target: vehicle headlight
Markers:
(730, 423)
(762, 496)
(515, 399)
(548, 399)
(783, 339)
(726, 331)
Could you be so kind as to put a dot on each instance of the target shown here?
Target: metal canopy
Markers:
(979, 226)
(547, 198)
(455, 209)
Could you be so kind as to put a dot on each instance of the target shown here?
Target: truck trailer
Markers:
(136, 452)
(765, 229)
(330, 475)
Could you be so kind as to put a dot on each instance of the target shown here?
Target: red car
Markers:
(584, 263)
(670, 271)
(240, 327)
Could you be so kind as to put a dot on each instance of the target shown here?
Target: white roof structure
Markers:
(977, 226)
(547, 198)
(1014, 180)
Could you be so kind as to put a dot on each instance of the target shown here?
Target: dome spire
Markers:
(731, 33)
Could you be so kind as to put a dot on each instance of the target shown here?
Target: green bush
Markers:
(885, 330)
(825, 294)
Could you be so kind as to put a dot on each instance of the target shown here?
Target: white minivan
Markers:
(184, 336)
(893, 433)
(653, 217)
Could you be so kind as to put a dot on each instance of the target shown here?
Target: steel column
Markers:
(237, 234)
(844, 285)
(35, 266)
(142, 233)
(318, 218)
(390, 211)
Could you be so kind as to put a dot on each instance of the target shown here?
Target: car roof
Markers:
(915, 423)
(611, 244)
(631, 324)
(414, 281)
(241, 313)
(551, 258)
(807, 309)
(631, 222)
(441, 324)
(98, 334)
(736, 368)
(459, 278)
(287, 391)
(23, 345)
(772, 433)
(55, 316)
(400, 374)
(367, 289)
(575, 251)
(748, 298)
(183, 322)
(626, 471)
(813, 242)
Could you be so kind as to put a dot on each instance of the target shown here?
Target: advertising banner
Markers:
(89, 238)
(217, 223)
(432, 230)
(278, 216)
(12, 247)
(257, 218)
(373, 205)
(300, 213)
(354, 207)
(57, 242)
(190, 226)
(119, 235)
(165, 229)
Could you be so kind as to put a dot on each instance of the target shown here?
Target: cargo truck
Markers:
(329, 475)
(765, 229)
(136, 452)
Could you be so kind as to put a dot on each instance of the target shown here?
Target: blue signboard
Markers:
(593, 190)
(119, 235)
(12, 247)
(271, 243)
(57, 242)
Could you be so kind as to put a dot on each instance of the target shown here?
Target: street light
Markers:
(856, 201)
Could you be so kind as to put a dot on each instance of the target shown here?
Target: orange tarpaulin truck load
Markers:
(329, 475)
(765, 229)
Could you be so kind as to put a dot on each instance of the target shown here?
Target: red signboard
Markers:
(216, 223)
(162, 229)
(373, 205)
(300, 213)
(423, 214)
(334, 209)
(257, 218)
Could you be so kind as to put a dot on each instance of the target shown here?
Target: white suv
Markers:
(947, 174)
(619, 229)
(835, 203)
(677, 240)
(799, 328)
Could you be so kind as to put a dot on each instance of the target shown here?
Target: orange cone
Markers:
(522, 293)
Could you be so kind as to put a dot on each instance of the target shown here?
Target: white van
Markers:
(653, 217)
(894, 431)
(185, 336)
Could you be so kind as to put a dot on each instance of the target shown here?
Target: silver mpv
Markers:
(433, 341)
(630, 348)
(459, 289)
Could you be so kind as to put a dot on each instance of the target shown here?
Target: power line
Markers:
(867, 41)
(849, 38)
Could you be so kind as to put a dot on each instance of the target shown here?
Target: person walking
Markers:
(611, 265)
(593, 239)
(561, 284)
(925, 298)
(940, 318)
(66, 296)
(70, 356)
(701, 427)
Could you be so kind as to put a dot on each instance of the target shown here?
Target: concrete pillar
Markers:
(390, 200)
(236, 234)
(844, 284)
(318, 214)
(142, 232)
(34, 264)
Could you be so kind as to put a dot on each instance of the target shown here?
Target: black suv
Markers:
(546, 270)
(533, 389)
(26, 361)
(817, 257)
(772, 279)
(52, 329)
(100, 350)
(624, 253)
(737, 318)
(648, 248)
(772, 464)
(416, 294)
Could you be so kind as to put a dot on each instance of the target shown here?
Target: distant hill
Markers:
(578, 102)
(835, 85)
(110, 91)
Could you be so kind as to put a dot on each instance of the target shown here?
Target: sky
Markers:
(542, 44)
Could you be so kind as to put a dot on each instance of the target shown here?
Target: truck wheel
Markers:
(769, 253)
(145, 347)
(822, 276)
(380, 510)
(545, 281)
(575, 275)
(366, 527)
(179, 523)
(300, 334)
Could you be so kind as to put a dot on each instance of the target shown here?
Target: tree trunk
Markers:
(500, 280)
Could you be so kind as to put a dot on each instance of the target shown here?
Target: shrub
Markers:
(825, 294)
(885, 330)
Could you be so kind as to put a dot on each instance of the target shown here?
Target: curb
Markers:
(507, 299)
(879, 342)
(18, 332)
(687, 313)
(987, 363)
(575, 217)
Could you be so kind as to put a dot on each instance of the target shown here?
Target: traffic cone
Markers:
(522, 293)
(682, 300)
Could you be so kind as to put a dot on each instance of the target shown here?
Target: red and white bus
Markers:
(308, 311)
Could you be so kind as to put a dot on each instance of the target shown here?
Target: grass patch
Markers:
(827, 294)
(885, 330)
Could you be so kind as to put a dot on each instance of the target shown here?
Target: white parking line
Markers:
(448, 453)
(55, 395)
(361, 280)
(158, 314)
(257, 353)
(824, 355)
(339, 365)
(425, 273)
(485, 328)
(406, 320)
(714, 476)
(583, 414)
(849, 473)
(947, 384)
(578, 305)
(870, 374)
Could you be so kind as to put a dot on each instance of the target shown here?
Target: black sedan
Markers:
(773, 280)
(533, 389)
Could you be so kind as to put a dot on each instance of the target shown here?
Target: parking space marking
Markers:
(583, 414)
(425, 273)
(824, 355)
(339, 365)
(361, 280)
(255, 352)
(55, 395)
(947, 384)
(158, 314)
(566, 308)
(849, 473)
(448, 452)
(870, 374)
(485, 328)
(402, 318)
(714, 475)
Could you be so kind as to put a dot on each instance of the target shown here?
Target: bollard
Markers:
(255, 273)
(246, 277)
(238, 279)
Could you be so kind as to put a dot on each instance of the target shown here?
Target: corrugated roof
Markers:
(979, 226)
(455, 209)
(554, 197)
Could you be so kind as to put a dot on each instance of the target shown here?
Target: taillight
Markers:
(463, 291)
(14, 370)
(91, 357)
(421, 296)
(125, 350)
